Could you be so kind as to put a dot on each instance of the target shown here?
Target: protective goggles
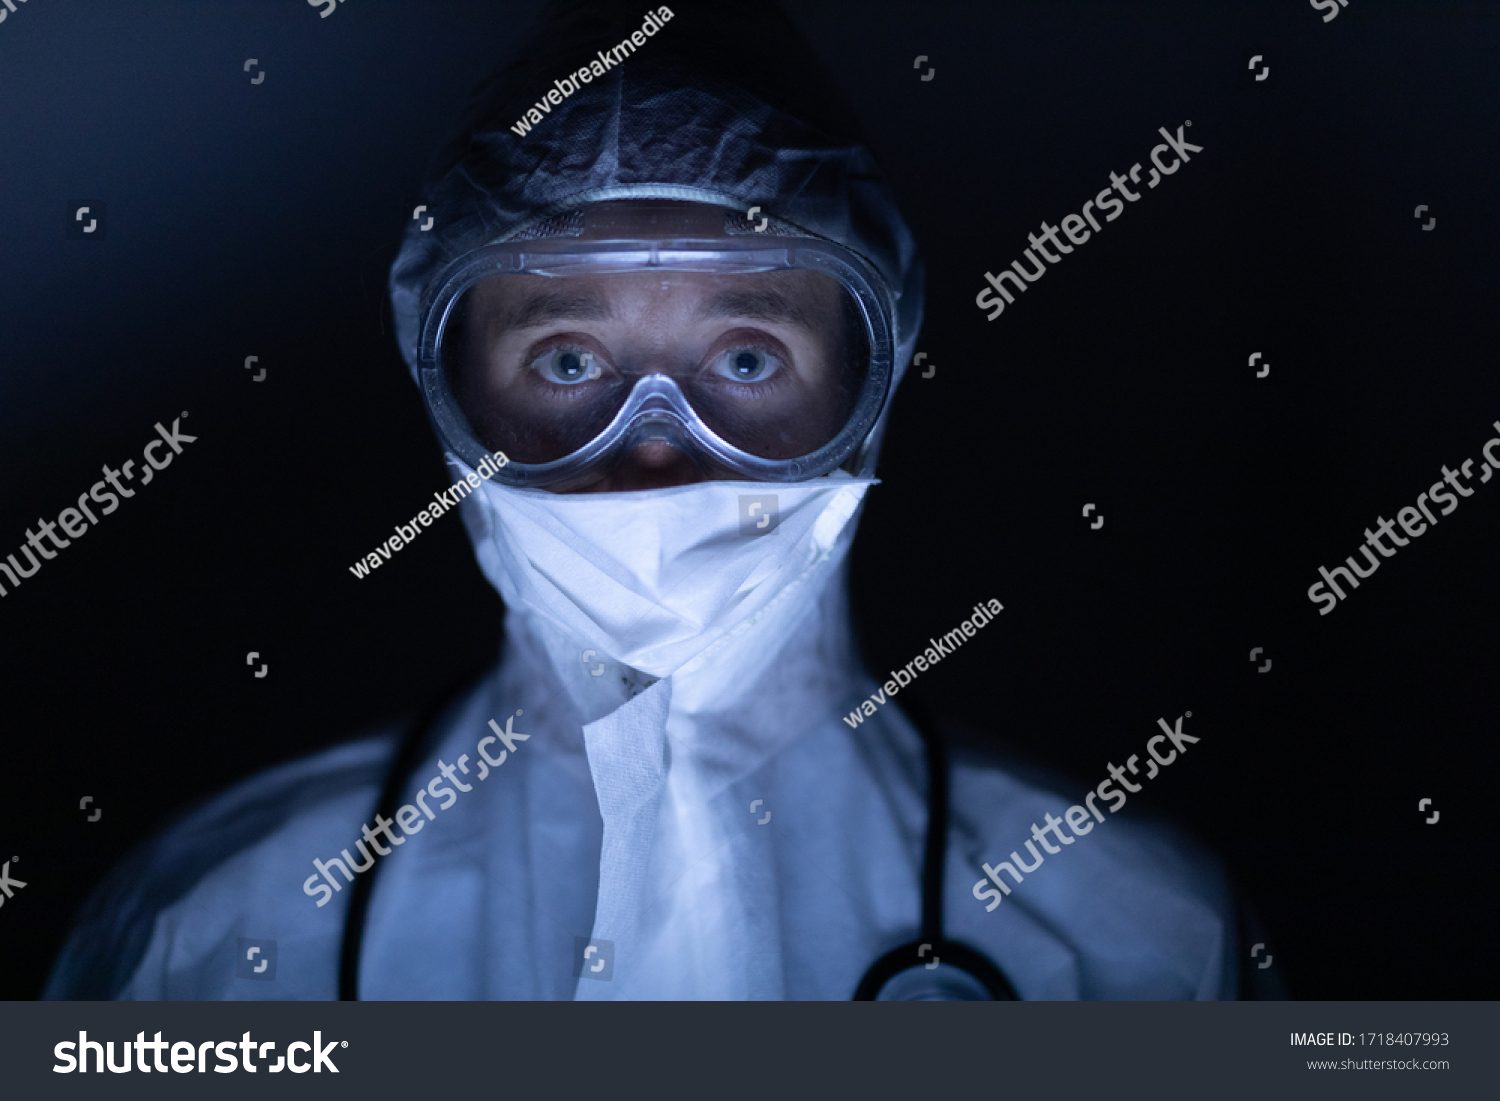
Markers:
(759, 356)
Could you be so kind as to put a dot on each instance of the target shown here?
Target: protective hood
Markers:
(663, 123)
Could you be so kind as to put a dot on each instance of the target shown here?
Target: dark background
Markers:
(260, 220)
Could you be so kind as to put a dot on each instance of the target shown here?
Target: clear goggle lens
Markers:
(771, 363)
(761, 359)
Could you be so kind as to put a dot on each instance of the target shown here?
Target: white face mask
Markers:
(652, 578)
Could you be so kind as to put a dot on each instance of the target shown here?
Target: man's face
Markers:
(544, 363)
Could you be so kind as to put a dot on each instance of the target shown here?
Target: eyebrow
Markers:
(547, 306)
(763, 304)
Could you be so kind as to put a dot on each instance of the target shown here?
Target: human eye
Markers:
(567, 365)
(746, 363)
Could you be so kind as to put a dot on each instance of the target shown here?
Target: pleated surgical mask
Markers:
(652, 578)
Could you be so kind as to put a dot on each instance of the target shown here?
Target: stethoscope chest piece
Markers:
(934, 972)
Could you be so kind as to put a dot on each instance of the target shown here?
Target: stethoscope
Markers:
(928, 952)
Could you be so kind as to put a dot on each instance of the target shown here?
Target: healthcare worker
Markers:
(678, 302)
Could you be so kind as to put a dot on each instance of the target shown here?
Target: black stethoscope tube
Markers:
(408, 756)
(976, 964)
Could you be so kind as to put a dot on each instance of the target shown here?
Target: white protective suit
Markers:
(698, 810)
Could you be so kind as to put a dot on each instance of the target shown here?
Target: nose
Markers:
(652, 464)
